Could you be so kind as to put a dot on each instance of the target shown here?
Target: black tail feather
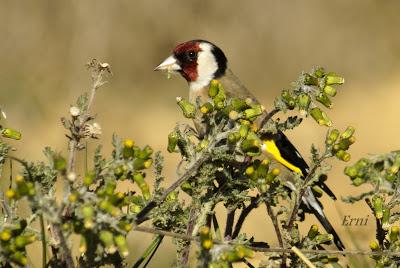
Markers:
(328, 191)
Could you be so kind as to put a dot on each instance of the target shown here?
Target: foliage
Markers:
(224, 161)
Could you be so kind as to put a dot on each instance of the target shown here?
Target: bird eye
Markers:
(192, 55)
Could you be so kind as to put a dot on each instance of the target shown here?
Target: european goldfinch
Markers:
(199, 62)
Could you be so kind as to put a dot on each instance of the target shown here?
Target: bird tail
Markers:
(317, 211)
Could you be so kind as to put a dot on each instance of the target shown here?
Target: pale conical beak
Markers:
(170, 64)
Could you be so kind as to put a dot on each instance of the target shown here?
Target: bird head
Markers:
(198, 61)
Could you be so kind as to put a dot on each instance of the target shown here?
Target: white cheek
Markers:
(206, 67)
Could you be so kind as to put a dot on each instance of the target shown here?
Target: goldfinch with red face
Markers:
(199, 62)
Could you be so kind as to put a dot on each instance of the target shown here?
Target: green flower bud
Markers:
(127, 152)
(348, 132)
(317, 191)
(22, 240)
(394, 234)
(333, 79)
(250, 171)
(219, 105)
(148, 163)
(233, 137)
(303, 101)
(343, 155)
(243, 130)
(89, 178)
(288, 99)
(5, 235)
(332, 136)
(374, 246)
(319, 72)
(238, 104)
(83, 245)
(357, 181)
(219, 99)
(88, 214)
(144, 187)
(110, 187)
(262, 169)
(187, 188)
(351, 171)
(105, 205)
(108, 240)
(73, 197)
(310, 80)
(135, 208)
(385, 219)
(11, 194)
(146, 152)
(313, 232)
(60, 163)
(344, 144)
(207, 244)
(253, 113)
(377, 203)
(204, 233)
(206, 108)
(173, 138)
(272, 175)
(214, 88)
(20, 258)
(324, 100)
(11, 133)
(330, 91)
(120, 241)
(324, 238)
(320, 117)
(129, 143)
(251, 147)
(118, 171)
(203, 144)
(188, 109)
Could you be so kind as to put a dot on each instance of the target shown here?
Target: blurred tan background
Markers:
(45, 44)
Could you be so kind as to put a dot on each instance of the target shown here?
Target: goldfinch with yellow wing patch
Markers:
(199, 62)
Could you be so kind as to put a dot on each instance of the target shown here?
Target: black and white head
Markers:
(198, 61)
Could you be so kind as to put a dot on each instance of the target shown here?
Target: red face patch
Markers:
(186, 54)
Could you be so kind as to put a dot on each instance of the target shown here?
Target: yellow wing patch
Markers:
(270, 147)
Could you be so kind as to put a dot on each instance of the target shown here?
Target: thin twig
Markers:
(44, 244)
(189, 230)
(273, 249)
(189, 172)
(217, 229)
(267, 116)
(278, 233)
(302, 257)
(302, 191)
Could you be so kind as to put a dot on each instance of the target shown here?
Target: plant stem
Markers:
(229, 222)
(217, 229)
(267, 116)
(149, 252)
(270, 250)
(302, 191)
(275, 223)
(192, 220)
(44, 244)
(189, 172)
